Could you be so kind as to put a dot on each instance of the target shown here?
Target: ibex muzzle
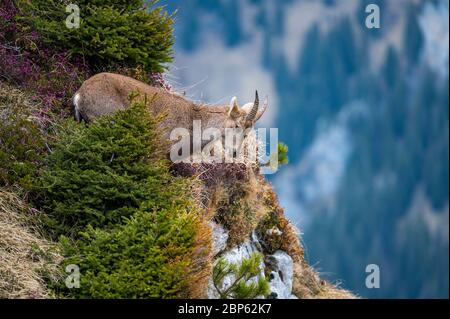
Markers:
(105, 93)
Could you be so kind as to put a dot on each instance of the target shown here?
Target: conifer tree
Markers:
(111, 33)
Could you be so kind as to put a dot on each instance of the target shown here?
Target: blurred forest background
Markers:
(364, 113)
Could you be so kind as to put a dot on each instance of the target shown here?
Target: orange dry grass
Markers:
(201, 259)
(288, 239)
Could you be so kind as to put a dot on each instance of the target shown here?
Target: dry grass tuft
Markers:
(13, 100)
(201, 258)
(308, 285)
(25, 257)
(275, 231)
(239, 207)
(330, 291)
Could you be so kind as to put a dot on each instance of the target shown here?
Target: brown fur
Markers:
(105, 93)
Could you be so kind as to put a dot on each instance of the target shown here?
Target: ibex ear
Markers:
(234, 108)
(247, 107)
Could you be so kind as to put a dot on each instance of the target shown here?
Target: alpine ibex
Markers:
(105, 93)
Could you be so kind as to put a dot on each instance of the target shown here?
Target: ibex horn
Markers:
(252, 114)
(264, 108)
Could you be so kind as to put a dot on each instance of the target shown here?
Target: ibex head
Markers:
(235, 122)
(246, 116)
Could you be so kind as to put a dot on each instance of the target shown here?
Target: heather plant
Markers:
(50, 75)
(212, 174)
(16, 65)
